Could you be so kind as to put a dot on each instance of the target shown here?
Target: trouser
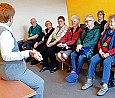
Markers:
(33, 81)
(107, 62)
(77, 61)
(49, 52)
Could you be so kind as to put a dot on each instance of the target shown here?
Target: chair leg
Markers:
(62, 65)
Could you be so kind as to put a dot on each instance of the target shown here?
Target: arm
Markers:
(94, 40)
(7, 44)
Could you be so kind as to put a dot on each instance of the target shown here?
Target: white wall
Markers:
(42, 10)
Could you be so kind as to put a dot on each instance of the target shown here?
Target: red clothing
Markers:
(70, 38)
(105, 48)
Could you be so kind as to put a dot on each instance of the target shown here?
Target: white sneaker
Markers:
(102, 91)
(87, 85)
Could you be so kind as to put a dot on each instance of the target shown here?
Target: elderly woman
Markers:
(68, 42)
(106, 48)
(14, 66)
(51, 48)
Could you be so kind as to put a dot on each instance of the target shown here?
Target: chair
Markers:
(15, 89)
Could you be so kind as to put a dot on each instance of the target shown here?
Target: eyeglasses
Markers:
(60, 21)
(86, 21)
(100, 14)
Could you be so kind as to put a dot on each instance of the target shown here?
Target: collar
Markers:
(6, 26)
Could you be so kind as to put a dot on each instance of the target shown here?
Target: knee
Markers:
(64, 56)
(59, 55)
(73, 55)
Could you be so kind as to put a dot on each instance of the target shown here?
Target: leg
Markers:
(20, 43)
(106, 69)
(80, 62)
(73, 60)
(106, 74)
(45, 58)
(59, 55)
(51, 54)
(94, 61)
(33, 81)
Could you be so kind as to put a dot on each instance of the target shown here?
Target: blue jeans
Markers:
(33, 81)
(107, 62)
(20, 43)
(77, 61)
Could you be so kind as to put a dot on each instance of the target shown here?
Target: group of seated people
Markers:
(95, 42)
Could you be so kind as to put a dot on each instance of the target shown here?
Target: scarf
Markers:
(112, 41)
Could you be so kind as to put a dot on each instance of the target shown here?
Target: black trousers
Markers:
(49, 52)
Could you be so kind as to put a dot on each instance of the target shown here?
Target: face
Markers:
(111, 23)
(48, 25)
(33, 22)
(89, 22)
(74, 22)
(100, 16)
(61, 22)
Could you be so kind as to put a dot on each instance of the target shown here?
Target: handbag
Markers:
(86, 51)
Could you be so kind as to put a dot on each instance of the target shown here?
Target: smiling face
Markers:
(75, 21)
(89, 21)
(61, 22)
(48, 24)
(33, 22)
(111, 23)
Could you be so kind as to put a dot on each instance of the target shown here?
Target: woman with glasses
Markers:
(100, 22)
(51, 46)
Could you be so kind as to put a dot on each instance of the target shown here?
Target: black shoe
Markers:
(54, 69)
(68, 69)
(43, 69)
(34, 62)
(28, 59)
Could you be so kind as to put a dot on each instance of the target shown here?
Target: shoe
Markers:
(54, 70)
(34, 62)
(87, 85)
(71, 78)
(43, 69)
(28, 59)
(102, 91)
(68, 69)
(111, 83)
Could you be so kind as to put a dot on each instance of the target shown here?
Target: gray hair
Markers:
(112, 17)
(90, 16)
(75, 17)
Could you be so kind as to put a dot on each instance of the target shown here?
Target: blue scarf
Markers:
(112, 41)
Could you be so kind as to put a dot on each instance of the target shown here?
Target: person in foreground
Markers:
(13, 65)
(84, 49)
(106, 48)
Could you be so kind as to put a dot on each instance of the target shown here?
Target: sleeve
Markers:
(38, 30)
(94, 40)
(7, 44)
(74, 38)
(63, 32)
